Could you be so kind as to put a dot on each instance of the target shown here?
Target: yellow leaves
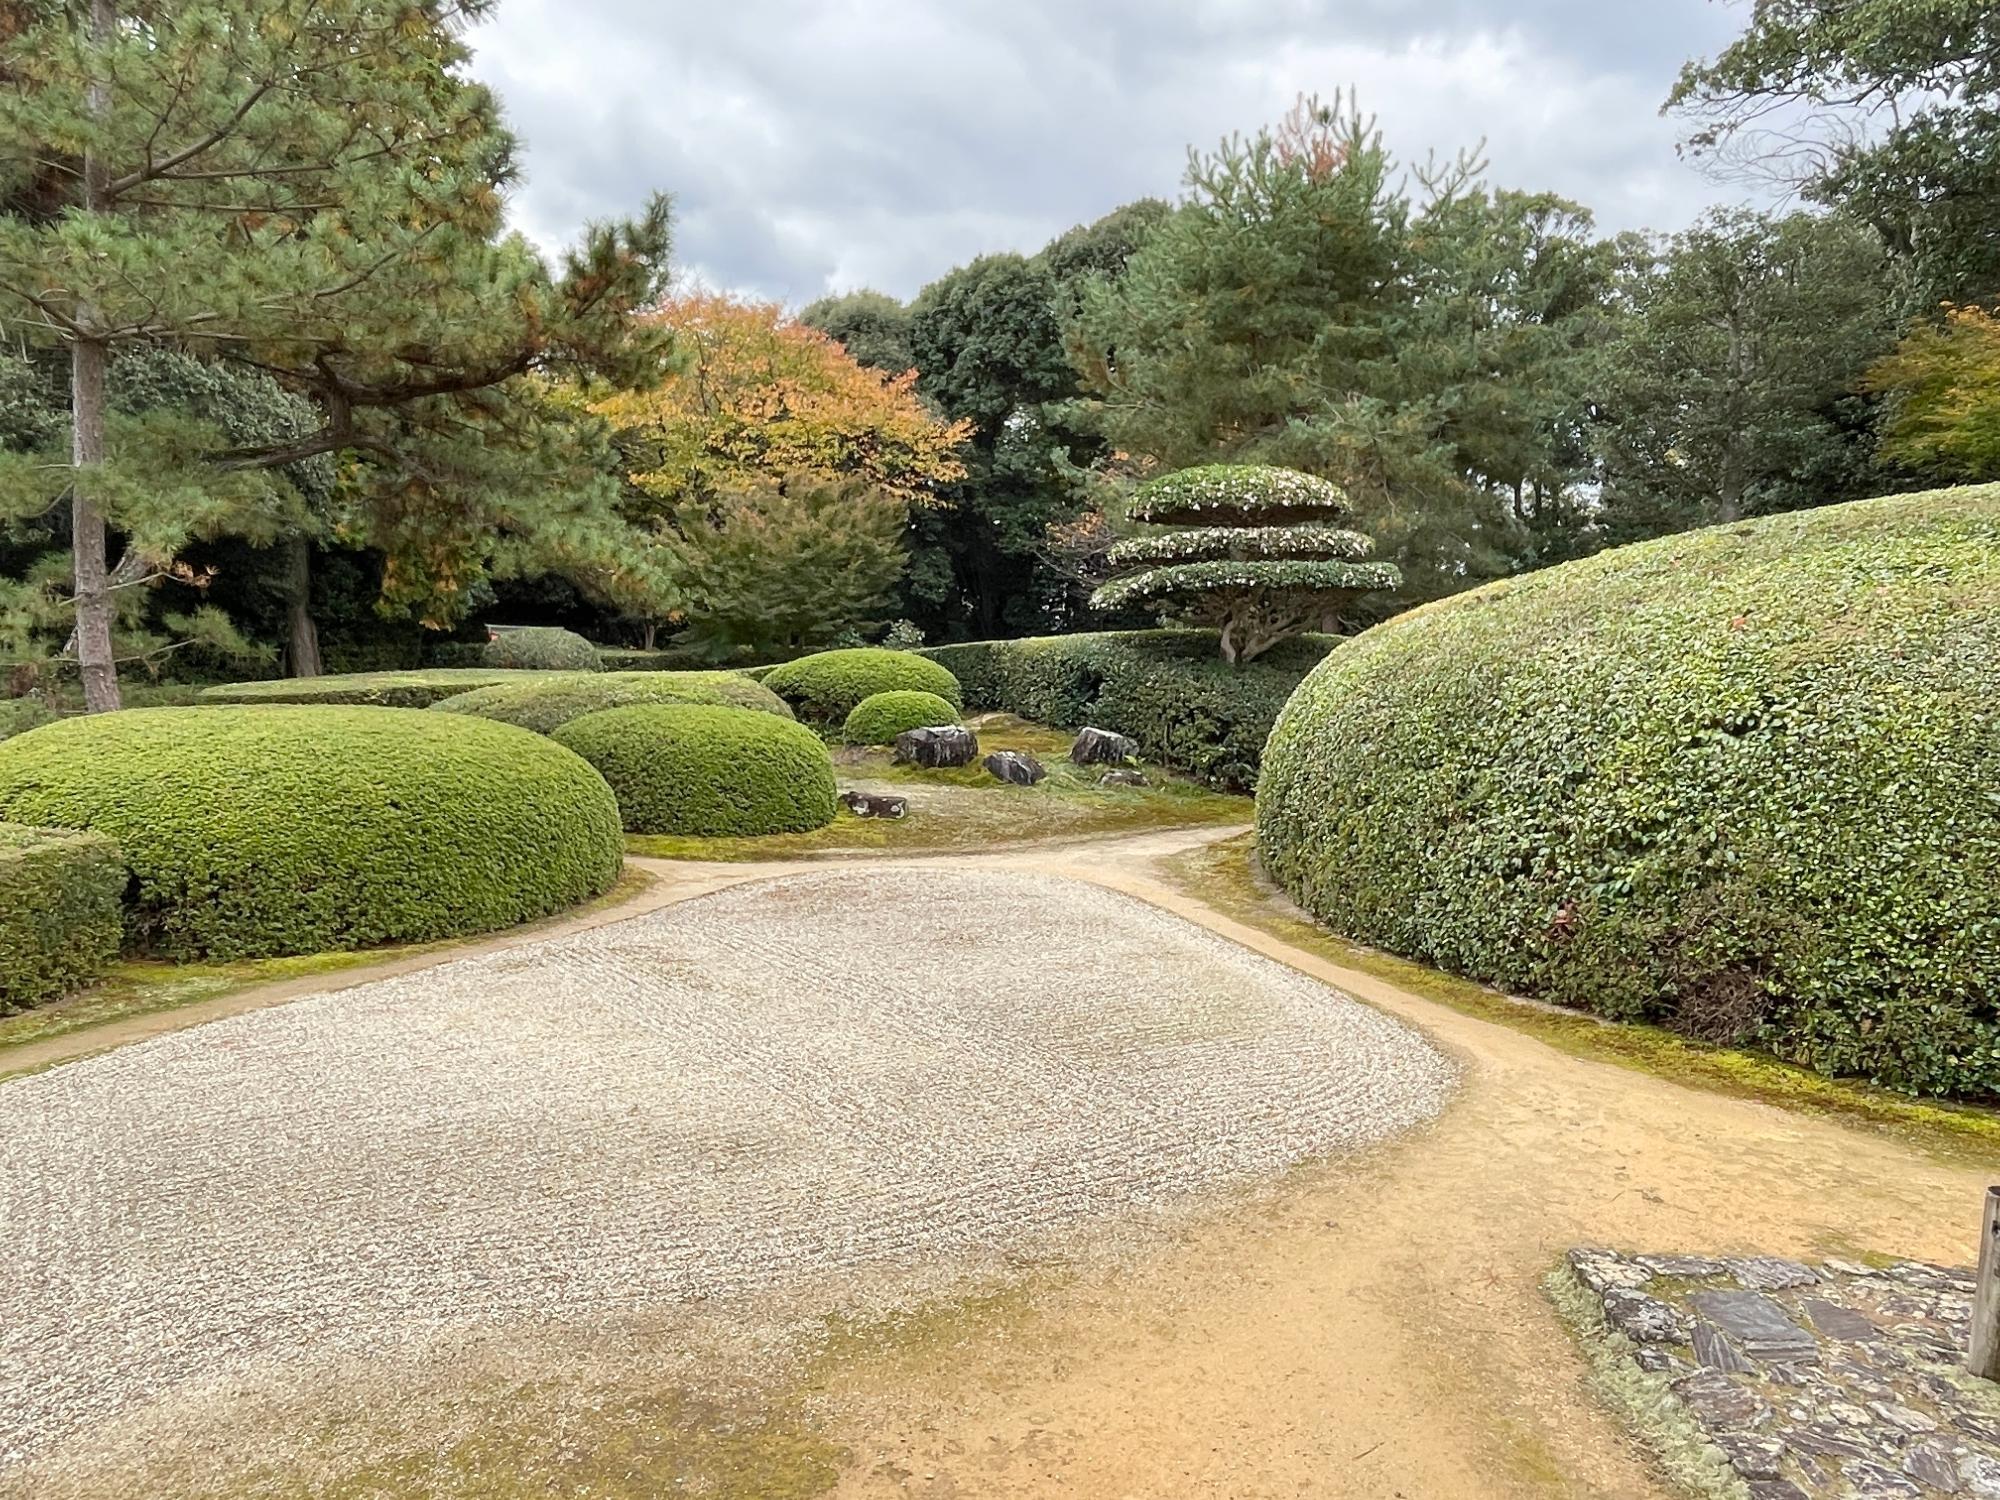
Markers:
(762, 397)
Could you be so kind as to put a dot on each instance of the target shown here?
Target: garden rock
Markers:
(1102, 747)
(874, 805)
(938, 748)
(1016, 766)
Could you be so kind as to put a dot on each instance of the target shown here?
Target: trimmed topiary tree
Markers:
(880, 717)
(824, 688)
(546, 704)
(707, 772)
(1740, 781)
(541, 648)
(257, 831)
(1258, 556)
(59, 911)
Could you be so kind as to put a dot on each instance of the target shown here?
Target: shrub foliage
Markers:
(880, 717)
(1740, 781)
(254, 831)
(540, 648)
(1167, 689)
(824, 688)
(59, 911)
(546, 704)
(707, 771)
(417, 689)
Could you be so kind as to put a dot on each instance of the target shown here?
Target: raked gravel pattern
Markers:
(795, 1076)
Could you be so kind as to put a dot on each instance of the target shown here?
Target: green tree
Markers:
(1942, 385)
(872, 326)
(1731, 386)
(777, 567)
(1887, 108)
(312, 188)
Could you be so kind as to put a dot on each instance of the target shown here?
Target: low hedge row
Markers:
(1168, 689)
(824, 688)
(707, 771)
(1740, 781)
(369, 689)
(546, 704)
(879, 718)
(254, 831)
(59, 911)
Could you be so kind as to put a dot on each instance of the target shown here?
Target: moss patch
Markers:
(1224, 876)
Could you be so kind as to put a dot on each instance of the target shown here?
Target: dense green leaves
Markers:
(254, 831)
(1738, 781)
(59, 911)
(825, 687)
(880, 717)
(540, 648)
(707, 772)
(545, 704)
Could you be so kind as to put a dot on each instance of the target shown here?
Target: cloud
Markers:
(820, 145)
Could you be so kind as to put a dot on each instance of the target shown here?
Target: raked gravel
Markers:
(795, 1076)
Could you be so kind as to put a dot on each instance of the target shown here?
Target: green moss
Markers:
(825, 687)
(880, 717)
(546, 704)
(252, 832)
(1223, 876)
(707, 772)
(1738, 781)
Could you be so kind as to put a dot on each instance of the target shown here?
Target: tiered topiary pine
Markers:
(1257, 555)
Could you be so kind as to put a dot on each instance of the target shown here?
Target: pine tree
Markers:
(312, 188)
(1258, 556)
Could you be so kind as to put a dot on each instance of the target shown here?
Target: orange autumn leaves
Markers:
(761, 397)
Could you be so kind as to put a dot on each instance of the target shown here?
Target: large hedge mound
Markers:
(707, 771)
(1741, 781)
(879, 718)
(59, 911)
(546, 704)
(824, 688)
(252, 831)
(417, 689)
(1167, 689)
(541, 648)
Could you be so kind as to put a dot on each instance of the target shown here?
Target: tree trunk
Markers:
(303, 651)
(89, 358)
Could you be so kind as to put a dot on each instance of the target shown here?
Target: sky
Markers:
(824, 145)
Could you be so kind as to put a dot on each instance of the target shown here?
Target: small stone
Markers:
(1643, 1319)
(939, 748)
(1123, 778)
(1826, 1443)
(1984, 1428)
(1757, 1324)
(1933, 1462)
(1768, 1273)
(1713, 1349)
(1979, 1476)
(1776, 1489)
(1903, 1417)
(1850, 1268)
(1601, 1270)
(1654, 1359)
(1102, 747)
(1721, 1404)
(1873, 1482)
(1687, 1266)
(1015, 766)
(874, 805)
(1752, 1457)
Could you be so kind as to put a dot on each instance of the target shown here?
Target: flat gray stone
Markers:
(1601, 1270)
(1979, 1476)
(1752, 1456)
(1722, 1404)
(1643, 1319)
(1768, 1273)
(1691, 1266)
(1834, 1320)
(1103, 747)
(1935, 1463)
(1873, 1482)
(1713, 1349)
(1014, 766)
(1756, 1323)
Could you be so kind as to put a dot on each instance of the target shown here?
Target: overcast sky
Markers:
(823, 145)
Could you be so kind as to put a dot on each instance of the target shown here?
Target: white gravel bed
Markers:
(789, 1077)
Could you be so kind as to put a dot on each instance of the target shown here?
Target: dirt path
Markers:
(1370, 1328)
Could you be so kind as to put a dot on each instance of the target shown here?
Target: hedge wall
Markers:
(59, 911)
(1741, 781)
(707, 771)
(824, 688)
(1167, 689)
(254, 831)
(546, 704)
(370, 689)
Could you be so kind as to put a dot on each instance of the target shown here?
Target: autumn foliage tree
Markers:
(1943, 390)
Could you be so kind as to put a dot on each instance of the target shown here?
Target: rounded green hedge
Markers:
(1741, 781)
(541, 648)
(419, 689)
(546, 704)
(60, 926)
(707, 771)
(257, 831)
(825, 687)
(880, 717)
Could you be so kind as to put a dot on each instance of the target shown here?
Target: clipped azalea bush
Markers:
(60, 926)
(707, 771)
(825, 687)
(540, 648)
(880, 717)
(1740, 781)
(255, 831)
(1166, 689)
(546, 704)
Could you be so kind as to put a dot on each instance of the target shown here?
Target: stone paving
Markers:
(1830, 1382)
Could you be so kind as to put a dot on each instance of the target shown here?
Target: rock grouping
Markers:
(1812, 1382)
(940, 748)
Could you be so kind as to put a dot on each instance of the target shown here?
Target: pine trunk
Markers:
(303, 655)
(89, 359)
